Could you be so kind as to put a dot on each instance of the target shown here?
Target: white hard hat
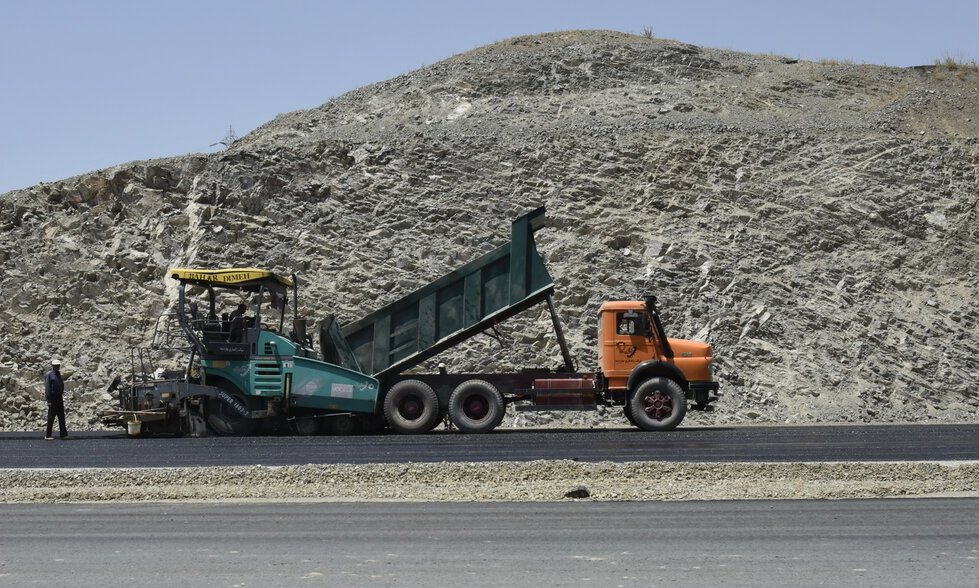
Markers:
(55, 362)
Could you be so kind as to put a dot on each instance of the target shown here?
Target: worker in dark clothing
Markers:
(236, 329)
(54, 394)
(240, 311)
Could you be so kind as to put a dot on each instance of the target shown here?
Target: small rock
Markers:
(577, 492)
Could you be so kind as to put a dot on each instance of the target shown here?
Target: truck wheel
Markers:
(628, 415)
(411, 407)
(228, 422)
(658, 404)
(476, 406)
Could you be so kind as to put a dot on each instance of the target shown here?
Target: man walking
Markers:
(54, 393)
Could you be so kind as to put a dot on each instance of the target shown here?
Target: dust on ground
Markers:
(534, 481)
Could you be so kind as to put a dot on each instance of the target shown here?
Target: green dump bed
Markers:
(454, 307)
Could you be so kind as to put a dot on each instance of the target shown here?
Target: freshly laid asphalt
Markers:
(956, 442)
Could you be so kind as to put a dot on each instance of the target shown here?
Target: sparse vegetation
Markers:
(647, 32)
(951, 63)
(228, 139)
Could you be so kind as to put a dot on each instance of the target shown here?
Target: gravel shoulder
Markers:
(535, 481)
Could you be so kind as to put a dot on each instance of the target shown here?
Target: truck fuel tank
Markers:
(564, 391)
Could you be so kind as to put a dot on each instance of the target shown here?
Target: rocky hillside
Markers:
(816, 222)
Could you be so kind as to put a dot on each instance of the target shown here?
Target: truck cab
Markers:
(633, 348)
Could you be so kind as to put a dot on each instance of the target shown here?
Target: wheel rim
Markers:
(658, 406)
(475, 407)
(411, 407)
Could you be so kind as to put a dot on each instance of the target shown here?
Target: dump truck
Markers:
(246, 374)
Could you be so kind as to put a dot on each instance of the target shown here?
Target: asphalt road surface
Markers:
(867, 543)
(708, 444)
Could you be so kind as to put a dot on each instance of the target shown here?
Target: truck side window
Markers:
(631, 323)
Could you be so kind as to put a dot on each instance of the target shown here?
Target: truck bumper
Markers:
(703, 393)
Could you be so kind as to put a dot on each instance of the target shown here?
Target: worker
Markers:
(54, 394)
(236, 330)
(240, 311)
(625, 327)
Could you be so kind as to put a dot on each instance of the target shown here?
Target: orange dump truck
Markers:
(653, 377)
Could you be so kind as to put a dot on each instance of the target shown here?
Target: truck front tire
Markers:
(658, 404)
(411, 407)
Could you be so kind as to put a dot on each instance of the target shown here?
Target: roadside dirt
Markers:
(502, 481)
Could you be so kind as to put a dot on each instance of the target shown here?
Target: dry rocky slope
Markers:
(816, 222)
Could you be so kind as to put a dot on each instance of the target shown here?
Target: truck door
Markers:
(632, 342)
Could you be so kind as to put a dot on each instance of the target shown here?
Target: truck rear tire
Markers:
(476, 406)
(658, 404)
(411, 407)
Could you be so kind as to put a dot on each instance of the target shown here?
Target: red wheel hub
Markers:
(658, 405)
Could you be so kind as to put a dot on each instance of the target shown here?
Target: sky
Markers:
(89, 84)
